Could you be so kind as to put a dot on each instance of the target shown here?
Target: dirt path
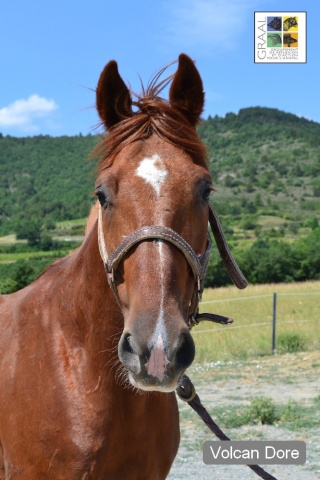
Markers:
(284, 378)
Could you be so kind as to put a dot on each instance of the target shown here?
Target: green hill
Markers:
(264, 163)
(44, 177)
(266, 168)
(264, 160)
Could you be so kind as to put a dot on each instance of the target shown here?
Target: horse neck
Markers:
(97, 312)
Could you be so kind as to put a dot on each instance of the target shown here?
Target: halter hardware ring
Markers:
(110, 276)
(182, 394)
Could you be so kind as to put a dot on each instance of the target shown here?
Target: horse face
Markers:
(154, 182)
(155, 284)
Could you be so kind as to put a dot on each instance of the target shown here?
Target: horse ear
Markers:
(113, 98)
(186, 92)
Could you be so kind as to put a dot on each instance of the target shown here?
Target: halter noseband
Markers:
(198, 265)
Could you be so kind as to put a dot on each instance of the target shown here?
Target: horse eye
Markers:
(102, 195)
(206, 194)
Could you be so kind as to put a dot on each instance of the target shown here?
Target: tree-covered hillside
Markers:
(266, 168)
(44, 177)
(263, 162)
(264, 159)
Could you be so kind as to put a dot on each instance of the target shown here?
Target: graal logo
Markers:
(261, 27)
(280, 37)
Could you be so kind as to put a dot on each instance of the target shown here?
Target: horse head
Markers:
(153, 188)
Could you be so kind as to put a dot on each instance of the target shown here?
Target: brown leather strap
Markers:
(187, 393)
(155, 232)
(197, 264)
(212, 317)
(225, 254)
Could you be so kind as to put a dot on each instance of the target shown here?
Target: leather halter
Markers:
(198, 265)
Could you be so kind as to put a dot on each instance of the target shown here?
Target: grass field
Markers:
(275, 397)
(298, 324)
(297, 327)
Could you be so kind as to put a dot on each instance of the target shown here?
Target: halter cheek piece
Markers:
(198, 264)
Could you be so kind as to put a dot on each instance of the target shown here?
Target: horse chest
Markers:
(105, 431)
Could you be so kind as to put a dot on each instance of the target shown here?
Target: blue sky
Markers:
(52, 53)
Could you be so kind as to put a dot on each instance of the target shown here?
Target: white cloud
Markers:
(209, 24)
(22, 113)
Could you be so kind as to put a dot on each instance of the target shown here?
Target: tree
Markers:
(22, 276)
(316, 187)
(46, 242)
(270, 262)
(29, 230)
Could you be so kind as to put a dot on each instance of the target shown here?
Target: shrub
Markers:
(248, 222)
(290, 343)
(23, 274)
(263, 410)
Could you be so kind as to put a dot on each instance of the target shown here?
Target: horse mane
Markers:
(154, 115)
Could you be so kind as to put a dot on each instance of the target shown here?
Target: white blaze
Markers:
(152, 170)
(158, 361)
(160, 330)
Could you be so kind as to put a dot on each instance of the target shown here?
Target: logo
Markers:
(280, 37)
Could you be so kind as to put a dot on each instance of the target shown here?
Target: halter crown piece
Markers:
(198, 264)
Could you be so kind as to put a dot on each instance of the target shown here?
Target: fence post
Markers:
(274, 320)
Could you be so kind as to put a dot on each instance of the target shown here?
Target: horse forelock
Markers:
(153, 115)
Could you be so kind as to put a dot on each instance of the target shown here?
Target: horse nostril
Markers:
(186, 351)
(128, 353)
(127, 344)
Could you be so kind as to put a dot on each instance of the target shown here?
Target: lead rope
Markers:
(187, 392)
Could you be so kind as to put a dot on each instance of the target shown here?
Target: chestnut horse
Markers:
(88, 373)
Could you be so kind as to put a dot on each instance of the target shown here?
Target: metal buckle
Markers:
(192, 322)
(110, 277)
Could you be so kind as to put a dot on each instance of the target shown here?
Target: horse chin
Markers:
(149, 386)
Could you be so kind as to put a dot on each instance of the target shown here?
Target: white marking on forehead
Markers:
(153, 171)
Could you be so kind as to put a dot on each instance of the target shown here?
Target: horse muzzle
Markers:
(157, 365)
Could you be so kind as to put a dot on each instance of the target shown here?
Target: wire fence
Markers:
(267, 295)
(273, 310)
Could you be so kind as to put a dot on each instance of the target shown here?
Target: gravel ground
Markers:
(283, 378)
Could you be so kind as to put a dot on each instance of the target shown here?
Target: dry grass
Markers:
(297, 313)
(11, 240)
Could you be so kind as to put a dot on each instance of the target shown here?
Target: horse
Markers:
(88, 372)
